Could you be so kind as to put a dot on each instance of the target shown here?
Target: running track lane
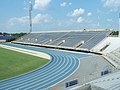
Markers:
(60, 66)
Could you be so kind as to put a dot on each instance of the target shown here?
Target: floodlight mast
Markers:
(30, 16)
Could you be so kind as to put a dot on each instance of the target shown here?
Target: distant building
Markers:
(4, 38)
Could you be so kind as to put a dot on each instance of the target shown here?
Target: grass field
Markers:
(13, 63)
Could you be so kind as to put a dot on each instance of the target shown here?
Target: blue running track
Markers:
(61, 65)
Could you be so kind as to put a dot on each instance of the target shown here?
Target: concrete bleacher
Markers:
(99, 36)
(108, 45)
(110, 48)
(114, 58)
(70, 39)
(109, 82)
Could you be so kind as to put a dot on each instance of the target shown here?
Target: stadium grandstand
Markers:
(80, 40)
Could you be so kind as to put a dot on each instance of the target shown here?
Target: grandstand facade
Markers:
(81, 40)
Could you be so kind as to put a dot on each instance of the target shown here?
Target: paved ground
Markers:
(90, 69)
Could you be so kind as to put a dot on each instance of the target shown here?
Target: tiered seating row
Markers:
(66, 39)
(114, 57)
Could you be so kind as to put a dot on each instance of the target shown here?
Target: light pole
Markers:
(30, 16)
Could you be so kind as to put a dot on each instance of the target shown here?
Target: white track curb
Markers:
(30, 52)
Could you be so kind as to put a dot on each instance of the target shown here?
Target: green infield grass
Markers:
(14, 63)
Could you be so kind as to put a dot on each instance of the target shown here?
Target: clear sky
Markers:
(58, 15)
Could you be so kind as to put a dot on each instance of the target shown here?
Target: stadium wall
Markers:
(113, 42)
(56, 47)
(84, 30)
